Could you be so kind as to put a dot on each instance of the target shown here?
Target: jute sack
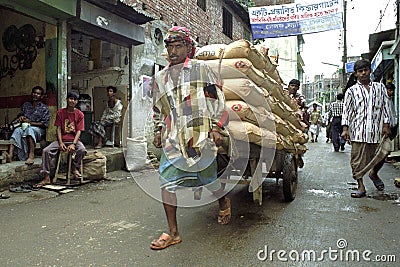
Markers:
(276, 90)
(240, 110)
(287, 145)
(282, 127)
(243, 89)
(94, 166)
(245, 131)
(284, 112)
(242, 65)
(274, 74)
(235, 68)
(298, 135)
(262, 49)
(244, 49)
(207, 52)
(277, 108)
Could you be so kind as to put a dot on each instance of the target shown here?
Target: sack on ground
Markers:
(95, 166)
(136, 153)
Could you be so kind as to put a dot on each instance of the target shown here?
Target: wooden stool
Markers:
(66, 175)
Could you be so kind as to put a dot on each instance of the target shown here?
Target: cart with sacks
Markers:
(266, 135)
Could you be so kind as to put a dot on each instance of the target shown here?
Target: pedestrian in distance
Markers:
(315, 123)
(328, 125)
(366, 118)
(33, 119)
(70, 123)
(183, 93)
(390, 88)
(335, 112)
(394, 125)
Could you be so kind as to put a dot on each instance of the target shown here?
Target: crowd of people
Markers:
(32, 121)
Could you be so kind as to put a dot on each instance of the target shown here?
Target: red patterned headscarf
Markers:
(178, 33)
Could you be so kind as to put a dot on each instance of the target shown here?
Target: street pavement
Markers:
(112, 222)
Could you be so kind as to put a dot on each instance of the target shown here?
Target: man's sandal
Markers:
(358, 194)
(164, 241)
(378, 183)
(224, 216)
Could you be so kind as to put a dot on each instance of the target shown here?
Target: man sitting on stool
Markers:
(70, 123)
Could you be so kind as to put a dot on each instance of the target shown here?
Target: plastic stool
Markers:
(68, 174)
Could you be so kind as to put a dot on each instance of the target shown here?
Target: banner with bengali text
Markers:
(294, 19)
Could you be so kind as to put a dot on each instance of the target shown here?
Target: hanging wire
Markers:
(382, 15)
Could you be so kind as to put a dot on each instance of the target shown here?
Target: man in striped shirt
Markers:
(366, 118)
(335, 112)
(189, 121)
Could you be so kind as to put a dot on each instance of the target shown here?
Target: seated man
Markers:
(34, 117)
(70, 123)
(110, 116)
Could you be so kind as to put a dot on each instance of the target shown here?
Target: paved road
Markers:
(111, 223)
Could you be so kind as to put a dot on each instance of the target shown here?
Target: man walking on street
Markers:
(315, 123)
(335, 112)
(366, 118)
(189, 117)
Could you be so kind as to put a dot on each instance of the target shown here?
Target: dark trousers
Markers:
(336, 131)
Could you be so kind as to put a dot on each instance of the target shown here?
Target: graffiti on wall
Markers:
(22, 43)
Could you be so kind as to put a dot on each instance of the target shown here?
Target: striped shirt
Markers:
(336, 109)
(186, 113)
(364, 112)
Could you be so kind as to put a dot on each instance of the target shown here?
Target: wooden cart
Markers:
(247, 164)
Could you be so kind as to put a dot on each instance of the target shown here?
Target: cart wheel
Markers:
(289, 172)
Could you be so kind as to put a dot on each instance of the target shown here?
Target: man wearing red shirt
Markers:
(70, 123)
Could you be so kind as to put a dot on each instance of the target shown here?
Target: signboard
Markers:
(294, 19)
(350, 67)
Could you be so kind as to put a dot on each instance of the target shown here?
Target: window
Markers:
(226, 22)
(201, 4)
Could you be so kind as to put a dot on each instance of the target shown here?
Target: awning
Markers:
(102, 24)
(48, 11)
(383, 59)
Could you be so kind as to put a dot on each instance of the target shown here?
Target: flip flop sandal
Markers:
(40, 185)
(164, 241)
(3, 196)
(378, 183)
(19, 189)
(29, 187)
(358, 194)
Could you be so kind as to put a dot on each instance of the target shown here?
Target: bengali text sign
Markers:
(295, 19)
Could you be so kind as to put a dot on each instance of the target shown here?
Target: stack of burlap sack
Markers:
(260, 110)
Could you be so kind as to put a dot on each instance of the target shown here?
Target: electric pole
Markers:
(344, 58)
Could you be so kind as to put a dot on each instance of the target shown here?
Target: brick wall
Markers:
(206, 25)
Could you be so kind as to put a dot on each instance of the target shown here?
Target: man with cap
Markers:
(70, 123)
(366, 118)
(189, 121)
